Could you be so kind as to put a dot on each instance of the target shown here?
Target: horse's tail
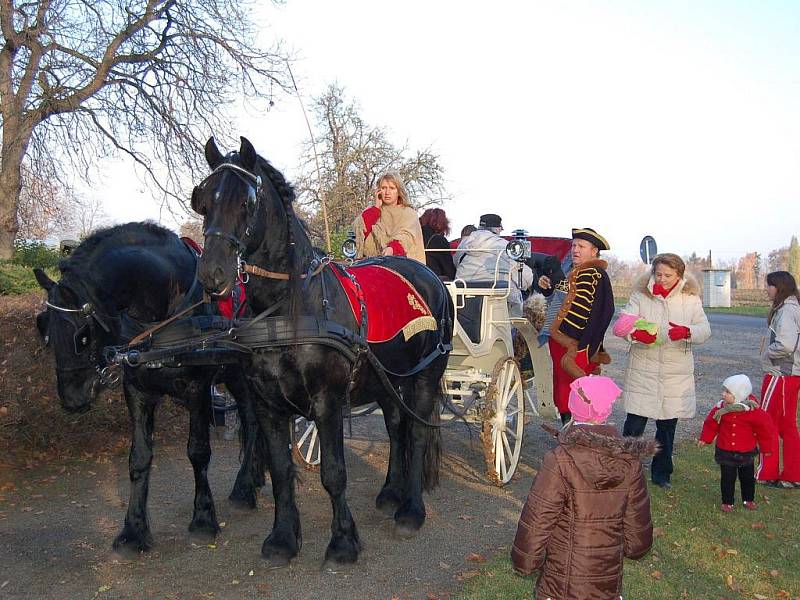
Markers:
(432, 436)
(260, 452)
(433, 448)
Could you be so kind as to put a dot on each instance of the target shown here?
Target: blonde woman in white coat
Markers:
(659, 378)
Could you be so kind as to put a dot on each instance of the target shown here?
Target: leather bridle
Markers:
(254, 189)
(83, 341)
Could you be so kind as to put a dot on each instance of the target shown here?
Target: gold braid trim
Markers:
(418, 325)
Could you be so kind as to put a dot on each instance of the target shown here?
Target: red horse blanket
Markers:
(393, 304)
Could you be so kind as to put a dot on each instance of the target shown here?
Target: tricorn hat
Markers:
(590, 235)
(490, 220)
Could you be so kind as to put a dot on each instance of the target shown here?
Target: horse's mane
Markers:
(283, 187)
(112, 237)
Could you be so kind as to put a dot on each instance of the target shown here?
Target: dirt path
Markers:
(58, 520)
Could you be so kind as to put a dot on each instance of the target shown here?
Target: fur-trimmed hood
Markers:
(686, 285)
(600, 454)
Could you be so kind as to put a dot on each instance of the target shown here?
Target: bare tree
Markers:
(45, 207)
(192, 228)
(89, 216)
(352, 154)
(778, 259)
(151, 79)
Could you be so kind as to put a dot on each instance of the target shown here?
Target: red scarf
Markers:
(660, 290)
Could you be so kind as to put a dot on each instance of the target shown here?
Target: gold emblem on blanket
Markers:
(414, 303)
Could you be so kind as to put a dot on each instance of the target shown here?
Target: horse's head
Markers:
(77, 333)
(229, 200)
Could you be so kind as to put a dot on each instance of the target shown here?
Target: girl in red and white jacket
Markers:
(741, 429)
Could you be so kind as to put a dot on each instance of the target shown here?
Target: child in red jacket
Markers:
(741, 429)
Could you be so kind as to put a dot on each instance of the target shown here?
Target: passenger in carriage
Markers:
(435, 226)
(390, 227)
(476, 258)
(580, 310)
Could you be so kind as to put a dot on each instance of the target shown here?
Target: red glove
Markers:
(678, 332)
(397, 248)
(640, 335)
(370, 216)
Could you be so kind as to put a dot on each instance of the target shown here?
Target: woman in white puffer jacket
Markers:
(659, 378)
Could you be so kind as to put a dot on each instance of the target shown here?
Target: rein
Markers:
(259, 272)
(151, 330)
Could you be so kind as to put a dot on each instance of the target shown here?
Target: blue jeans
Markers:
(661, 469)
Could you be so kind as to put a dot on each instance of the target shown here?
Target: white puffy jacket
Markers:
(659, 379)
(781, 350)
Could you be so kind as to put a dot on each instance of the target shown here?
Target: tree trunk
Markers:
(14, 148)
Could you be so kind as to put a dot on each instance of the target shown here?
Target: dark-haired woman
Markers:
(659, 378)
(435, 226)
(780, 358)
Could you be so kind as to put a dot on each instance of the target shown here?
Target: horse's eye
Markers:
(81, 339)
(250, 202)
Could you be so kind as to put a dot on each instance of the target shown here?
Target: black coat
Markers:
(440, 263)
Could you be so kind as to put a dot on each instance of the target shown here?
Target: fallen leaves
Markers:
(656, 575)
(475, 557)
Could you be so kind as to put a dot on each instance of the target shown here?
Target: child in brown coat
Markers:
(588, 506)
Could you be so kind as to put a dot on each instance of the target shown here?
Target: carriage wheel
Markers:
(503, 421)
(305, 444)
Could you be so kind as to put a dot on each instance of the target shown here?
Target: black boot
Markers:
(565, 417)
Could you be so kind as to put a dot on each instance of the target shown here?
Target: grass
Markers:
(752, 311)
(699, 552)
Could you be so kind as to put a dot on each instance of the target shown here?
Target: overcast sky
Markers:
(676, 119)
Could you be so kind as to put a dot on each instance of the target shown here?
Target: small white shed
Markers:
(716, 287)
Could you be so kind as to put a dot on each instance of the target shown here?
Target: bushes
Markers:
(35, 254)
(16, 275)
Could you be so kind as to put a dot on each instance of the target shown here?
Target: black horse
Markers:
(248, 214)
(116, 283)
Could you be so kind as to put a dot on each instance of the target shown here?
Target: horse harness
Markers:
(214, 339)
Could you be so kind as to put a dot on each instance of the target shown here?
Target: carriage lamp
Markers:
(87, 309)
(349, 245)
(519, 248)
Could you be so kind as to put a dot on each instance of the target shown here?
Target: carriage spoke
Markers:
(508, 446)
(513, 391)
(311, 447)
(309, 429)
(507, 378)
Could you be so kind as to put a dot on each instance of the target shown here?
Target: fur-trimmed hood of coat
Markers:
(600, 454)
(686, 285)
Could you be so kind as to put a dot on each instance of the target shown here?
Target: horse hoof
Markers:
(243, 499)
(276, 558)
(342, 551)
(130, 543)
(407, 523)
(387, 502)
(405, 531)
(204, 527)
